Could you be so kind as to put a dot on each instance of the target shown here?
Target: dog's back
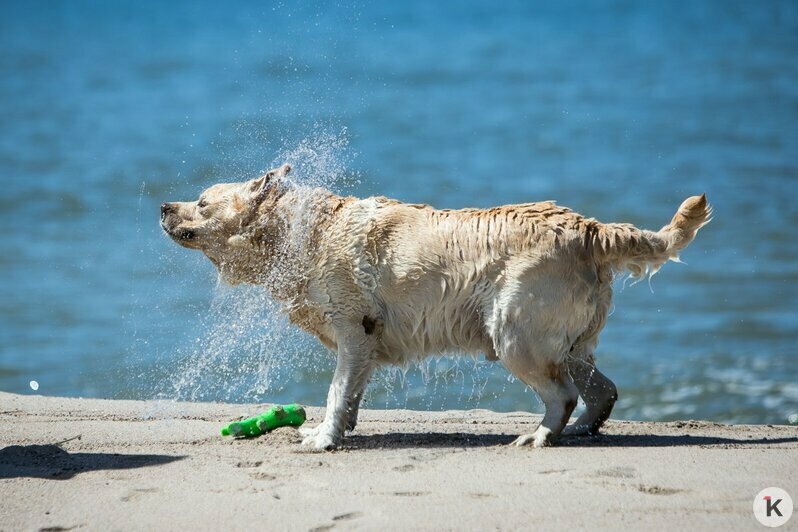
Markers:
(442, 279)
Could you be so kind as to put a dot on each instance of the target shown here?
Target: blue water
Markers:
(616, 109)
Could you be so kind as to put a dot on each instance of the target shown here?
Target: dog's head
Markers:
(220, 223)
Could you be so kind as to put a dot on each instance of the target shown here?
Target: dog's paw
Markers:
(320, 437)
(540, 438)
(321, 442)
(308, 432)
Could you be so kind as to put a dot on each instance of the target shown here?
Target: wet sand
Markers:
(142, 465)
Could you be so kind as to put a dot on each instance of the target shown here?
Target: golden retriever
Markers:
(379, 281)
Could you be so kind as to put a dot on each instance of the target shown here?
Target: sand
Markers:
(75, 464)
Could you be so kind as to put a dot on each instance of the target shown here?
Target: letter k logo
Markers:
(772, 506)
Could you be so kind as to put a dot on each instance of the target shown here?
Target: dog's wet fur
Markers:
(379, 281)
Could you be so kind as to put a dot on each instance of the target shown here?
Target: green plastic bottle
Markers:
(276, 416)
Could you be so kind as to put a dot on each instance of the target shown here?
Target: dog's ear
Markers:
(260, 187)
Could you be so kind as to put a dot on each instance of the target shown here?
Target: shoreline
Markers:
(100, 464)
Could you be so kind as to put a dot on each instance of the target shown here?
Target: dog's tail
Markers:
(642, 252)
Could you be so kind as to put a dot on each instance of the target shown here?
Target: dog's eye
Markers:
(202, 204)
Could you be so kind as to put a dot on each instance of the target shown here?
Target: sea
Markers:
(615, 108)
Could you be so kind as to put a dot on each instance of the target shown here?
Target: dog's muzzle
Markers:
(170, 221)
(166, 209)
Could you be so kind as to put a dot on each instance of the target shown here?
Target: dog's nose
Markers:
(166, 208)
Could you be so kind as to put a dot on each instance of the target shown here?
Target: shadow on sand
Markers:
(395, 440)
(53, 462)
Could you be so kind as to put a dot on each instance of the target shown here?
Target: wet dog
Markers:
(379, 282)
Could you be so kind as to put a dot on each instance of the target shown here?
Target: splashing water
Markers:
(246, 347)
(320, 161)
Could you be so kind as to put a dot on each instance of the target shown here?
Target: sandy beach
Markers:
(74, 464)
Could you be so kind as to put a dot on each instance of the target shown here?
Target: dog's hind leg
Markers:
(546, 372)
(559, 395)
(597, 391)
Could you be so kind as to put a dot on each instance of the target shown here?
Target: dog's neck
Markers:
(281, 246)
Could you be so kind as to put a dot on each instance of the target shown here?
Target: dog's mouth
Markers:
(181, 235)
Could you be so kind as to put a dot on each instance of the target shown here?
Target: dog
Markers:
(381, 282)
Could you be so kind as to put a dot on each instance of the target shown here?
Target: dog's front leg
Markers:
(352, 372)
